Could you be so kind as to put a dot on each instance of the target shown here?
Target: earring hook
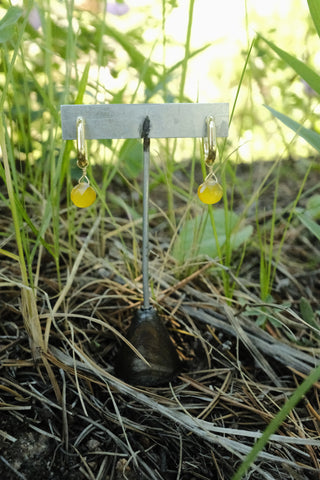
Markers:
(210, 141)
(82, 161)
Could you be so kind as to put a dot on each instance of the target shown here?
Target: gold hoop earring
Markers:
(210, 191)
(82, 195)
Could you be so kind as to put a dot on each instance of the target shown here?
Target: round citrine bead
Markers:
(83, 195)
(210, 192)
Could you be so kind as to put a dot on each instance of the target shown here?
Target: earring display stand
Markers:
(118, 121)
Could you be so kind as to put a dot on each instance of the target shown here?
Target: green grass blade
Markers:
(305, 72)
(166, 77)
(83, 84)
(39, 233)
(277, 421)
(10, 255)
(28, 298)
(186, 52)
(18, 42)
(7, 23)
(310, 136)
(244, 69)
(138, 60)
(314, 7)
(192, 54)
(311, 225)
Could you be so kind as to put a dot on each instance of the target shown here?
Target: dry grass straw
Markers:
(235, 379)
(28, 296)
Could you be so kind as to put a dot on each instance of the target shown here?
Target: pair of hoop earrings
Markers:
(82, 195)
(210, 191)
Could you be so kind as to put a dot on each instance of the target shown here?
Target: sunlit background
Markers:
(227, 29)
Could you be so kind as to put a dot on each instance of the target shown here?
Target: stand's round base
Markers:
(150, 337)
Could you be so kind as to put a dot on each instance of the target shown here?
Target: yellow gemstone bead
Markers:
(210, 192)
(83, 195)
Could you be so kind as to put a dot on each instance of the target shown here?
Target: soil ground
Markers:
(67, 416)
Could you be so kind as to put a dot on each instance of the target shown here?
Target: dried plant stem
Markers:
(70, 280)
(28, 295)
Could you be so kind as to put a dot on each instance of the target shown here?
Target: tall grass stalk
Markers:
(267, 248)
(227, 249)
(186, 51)
(291, 213)
(276, 422)
(269, 259)
(181, 99)
(28, 294)
(9, 72)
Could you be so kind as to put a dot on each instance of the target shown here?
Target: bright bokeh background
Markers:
(227, 28)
